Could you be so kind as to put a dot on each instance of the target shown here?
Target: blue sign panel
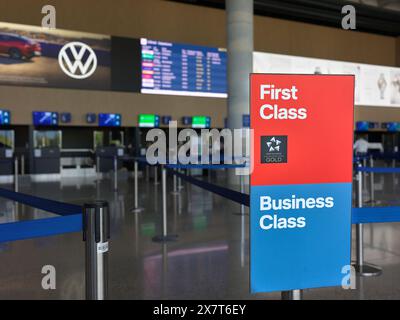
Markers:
(291, 226)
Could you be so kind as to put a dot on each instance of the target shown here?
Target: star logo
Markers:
(274, 149)
(274, 144)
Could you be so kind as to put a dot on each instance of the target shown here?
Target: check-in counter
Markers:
(6, 161)
(105, 158)
(46, 160)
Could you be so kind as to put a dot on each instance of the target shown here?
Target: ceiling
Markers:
(374, 16)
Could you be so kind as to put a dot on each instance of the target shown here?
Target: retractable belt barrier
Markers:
(378, 169)
(230, 194)
(359, 215)
(70, 220)
(93, 219)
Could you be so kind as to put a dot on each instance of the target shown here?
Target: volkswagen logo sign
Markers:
(77, 60)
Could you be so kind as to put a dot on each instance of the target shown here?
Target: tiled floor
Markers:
(209, 261)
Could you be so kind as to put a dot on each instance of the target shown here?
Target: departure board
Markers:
(178, 69)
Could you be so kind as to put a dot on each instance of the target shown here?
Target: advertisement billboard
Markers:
(30, 56)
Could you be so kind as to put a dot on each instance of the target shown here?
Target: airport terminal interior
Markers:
(192, 149)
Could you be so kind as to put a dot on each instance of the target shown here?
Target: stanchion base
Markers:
(136, 210)
(167, 238)
(367, 270)
(181, 187)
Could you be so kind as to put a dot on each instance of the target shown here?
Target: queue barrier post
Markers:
(165, 236)
(16, 186)
(292, 295)
(242, 191)
(147, 173)
(180, 186)
(115, 174)
(136, 208)
(96, 233)
(242, 209)
(97, 166)
(371, 177)
(22, 164)
(156, 176)
(175, 185)
(362, 269)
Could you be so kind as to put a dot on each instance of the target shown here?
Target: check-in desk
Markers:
(46, 160)
(105, 158)
(6, 165)
(6, 161)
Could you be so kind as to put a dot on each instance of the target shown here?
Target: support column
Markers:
(239, 24)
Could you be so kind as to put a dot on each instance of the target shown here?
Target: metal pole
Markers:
(97, 166)
(115, 174)
(371, 177)
(165, 236)
(23, 164)
(180, 186)
(147, 173)
(363, 269)
(175, 190)
(136, 207)
(359, 227)
(292, 295)
(16, 174)
(164, 201)
(156, 176)
(96, 233)
(241, 191)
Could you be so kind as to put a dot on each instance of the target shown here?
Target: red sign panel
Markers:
(308, 110)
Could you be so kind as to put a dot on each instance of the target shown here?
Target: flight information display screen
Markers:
(181, 69)
(4, 117)
(45, 118)
(201, 122)
(149, 121)
(109, 120)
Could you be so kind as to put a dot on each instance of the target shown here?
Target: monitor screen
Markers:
(362, 125)
(109, 120)
(393, 126)
(149, 120)
(45, 118)
(5, 117)
(201, 122)
(182, 69)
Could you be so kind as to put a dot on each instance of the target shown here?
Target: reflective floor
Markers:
(210, 260)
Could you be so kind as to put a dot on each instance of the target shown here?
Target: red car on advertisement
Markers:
(18, 47)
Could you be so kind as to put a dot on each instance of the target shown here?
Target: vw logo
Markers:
(70, 59)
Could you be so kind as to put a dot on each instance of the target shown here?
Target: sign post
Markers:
(301, 184)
